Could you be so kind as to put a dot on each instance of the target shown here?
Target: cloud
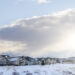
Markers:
(38, 1)
(10, 46)
(43, 1)
(47, 35)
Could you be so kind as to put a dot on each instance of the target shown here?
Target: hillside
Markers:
(6, 60)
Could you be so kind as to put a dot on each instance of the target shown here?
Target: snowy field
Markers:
(58, 69)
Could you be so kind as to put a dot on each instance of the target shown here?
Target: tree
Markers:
(42, 62)
(58, 61)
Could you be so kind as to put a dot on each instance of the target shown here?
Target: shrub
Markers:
(15, 73)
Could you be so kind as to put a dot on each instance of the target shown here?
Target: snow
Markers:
(55, 69)
(14, 59)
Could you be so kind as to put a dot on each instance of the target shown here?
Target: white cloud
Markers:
(11, 46)
(40, 36)
(39, 1)
(43, 1)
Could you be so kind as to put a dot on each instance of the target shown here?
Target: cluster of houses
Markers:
(6, 60)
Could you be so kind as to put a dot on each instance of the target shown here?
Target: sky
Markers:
(11, 10)
(37, 28)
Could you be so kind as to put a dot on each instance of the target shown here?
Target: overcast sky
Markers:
(37, 27)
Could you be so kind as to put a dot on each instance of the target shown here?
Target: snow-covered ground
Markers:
(57, 69)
